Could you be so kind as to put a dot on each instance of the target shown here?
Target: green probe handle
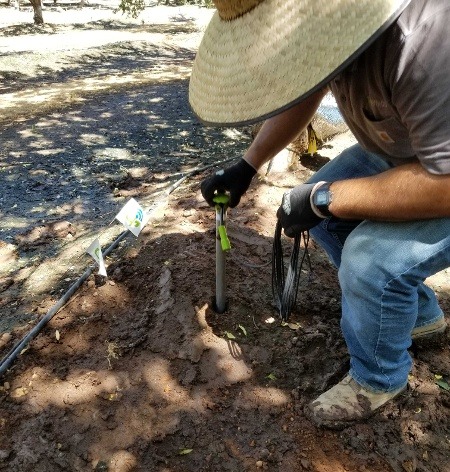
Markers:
(224, 241)
(221, 201)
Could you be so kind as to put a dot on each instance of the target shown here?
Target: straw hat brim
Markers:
(280, 52)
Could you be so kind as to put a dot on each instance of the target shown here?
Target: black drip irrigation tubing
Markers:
(9, 359)
(15, 351)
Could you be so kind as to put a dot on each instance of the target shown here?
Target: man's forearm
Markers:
(279, 131)
(404, 193)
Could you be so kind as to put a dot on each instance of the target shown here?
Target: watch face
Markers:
(321, 198)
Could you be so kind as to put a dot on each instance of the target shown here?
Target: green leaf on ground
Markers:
(183, 452)
(443, 384)
(293, 326)
(243, 330)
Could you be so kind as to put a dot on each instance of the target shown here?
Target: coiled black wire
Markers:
(285, 288)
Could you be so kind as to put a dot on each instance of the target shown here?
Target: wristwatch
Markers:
(322, 198)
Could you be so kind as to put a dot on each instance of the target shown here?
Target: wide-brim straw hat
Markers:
(260, 57)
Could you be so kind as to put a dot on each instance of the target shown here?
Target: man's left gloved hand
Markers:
(295, 213)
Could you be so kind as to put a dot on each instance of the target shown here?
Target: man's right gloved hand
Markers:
(234, 180)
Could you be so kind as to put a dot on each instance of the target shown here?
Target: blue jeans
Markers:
(381, 268)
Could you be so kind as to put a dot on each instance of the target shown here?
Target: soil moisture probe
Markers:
(285, 289)
(222, 246)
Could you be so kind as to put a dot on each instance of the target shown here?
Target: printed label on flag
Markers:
(133, 217)
(96, 252)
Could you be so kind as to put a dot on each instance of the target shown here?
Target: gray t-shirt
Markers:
(395, 97)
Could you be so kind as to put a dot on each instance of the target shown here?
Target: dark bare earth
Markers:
(137, 372)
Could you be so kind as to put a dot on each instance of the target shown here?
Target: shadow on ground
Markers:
(77, 168)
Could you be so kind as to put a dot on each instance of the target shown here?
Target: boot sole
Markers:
(429, 334)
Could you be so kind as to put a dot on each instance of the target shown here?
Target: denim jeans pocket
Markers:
(340, 229)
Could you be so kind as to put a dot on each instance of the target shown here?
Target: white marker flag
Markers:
(132, 216)
(96, 252)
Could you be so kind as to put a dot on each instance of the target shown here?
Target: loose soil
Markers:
(137, 372)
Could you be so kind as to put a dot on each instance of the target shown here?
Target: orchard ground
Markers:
(137, 372)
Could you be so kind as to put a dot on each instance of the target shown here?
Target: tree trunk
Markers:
(37, 7)
(288, 158)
